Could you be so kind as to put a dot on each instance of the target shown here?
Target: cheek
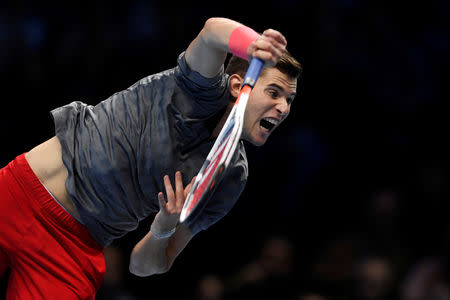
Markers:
(247, 117)
(288, 111)
(250, 110)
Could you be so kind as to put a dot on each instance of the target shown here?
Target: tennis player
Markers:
(108, 165)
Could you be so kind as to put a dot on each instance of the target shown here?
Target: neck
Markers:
(222, 120)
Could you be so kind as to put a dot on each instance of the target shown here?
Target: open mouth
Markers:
(268, 124)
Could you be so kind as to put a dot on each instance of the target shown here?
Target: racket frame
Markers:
(195, 201)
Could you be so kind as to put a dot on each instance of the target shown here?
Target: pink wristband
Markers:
(240, 39)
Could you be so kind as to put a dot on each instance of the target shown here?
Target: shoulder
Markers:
(149, 81)
(193, 80)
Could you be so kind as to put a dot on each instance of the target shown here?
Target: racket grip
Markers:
(253, 72)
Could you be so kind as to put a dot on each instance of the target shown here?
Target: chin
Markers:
(258, 142)
(255, 139)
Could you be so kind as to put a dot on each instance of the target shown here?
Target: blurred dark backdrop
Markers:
(358, 171)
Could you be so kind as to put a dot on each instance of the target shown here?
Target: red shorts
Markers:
(50, 254)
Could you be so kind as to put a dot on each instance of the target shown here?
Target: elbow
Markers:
(138, 271)
(208, 29)
(211, 22)
(147, 269)
(211, 27)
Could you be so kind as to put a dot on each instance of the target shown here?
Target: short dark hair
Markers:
(287, 65)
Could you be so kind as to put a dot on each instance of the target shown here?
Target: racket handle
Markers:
(253, 72)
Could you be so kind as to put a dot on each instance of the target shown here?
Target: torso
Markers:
(111, 158)
(46, 162)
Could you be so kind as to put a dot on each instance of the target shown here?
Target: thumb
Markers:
(189, 186)
(162, 202)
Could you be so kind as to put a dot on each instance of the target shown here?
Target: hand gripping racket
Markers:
(223, 149)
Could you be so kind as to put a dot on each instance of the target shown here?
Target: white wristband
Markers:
(162, 235)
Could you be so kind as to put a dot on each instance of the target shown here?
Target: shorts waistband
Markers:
(43, 199)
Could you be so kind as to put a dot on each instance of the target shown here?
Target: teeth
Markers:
(272, 121)
(268, 124)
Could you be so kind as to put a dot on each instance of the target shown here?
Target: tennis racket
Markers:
(223, 149)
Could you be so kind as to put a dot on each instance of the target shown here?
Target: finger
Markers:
(269, 45)
(179, 188)
(275, 35)
(267, 57)
(169, 190)
(162, 202)
(189, 186)
(278, 41)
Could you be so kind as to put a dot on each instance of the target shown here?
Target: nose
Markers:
(283, 108)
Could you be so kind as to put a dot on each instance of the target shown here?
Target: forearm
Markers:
(154, 256)
(156, 252)
(208, 50)
(216, 33)
(149, 256)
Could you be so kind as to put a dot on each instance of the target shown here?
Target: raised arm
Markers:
(219, 36)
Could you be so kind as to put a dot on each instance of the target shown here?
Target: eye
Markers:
(273, 93)
(289, 100)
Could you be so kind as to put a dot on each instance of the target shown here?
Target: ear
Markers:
(235, 84)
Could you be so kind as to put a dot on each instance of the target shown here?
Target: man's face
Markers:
(269, 104)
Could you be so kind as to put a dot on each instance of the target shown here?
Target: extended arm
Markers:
(207, 52)
(157, 251)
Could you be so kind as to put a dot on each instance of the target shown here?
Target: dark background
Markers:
(359, 170)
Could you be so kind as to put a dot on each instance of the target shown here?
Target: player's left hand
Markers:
(169, 211)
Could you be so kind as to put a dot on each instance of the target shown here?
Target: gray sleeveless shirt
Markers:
(118, 151)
